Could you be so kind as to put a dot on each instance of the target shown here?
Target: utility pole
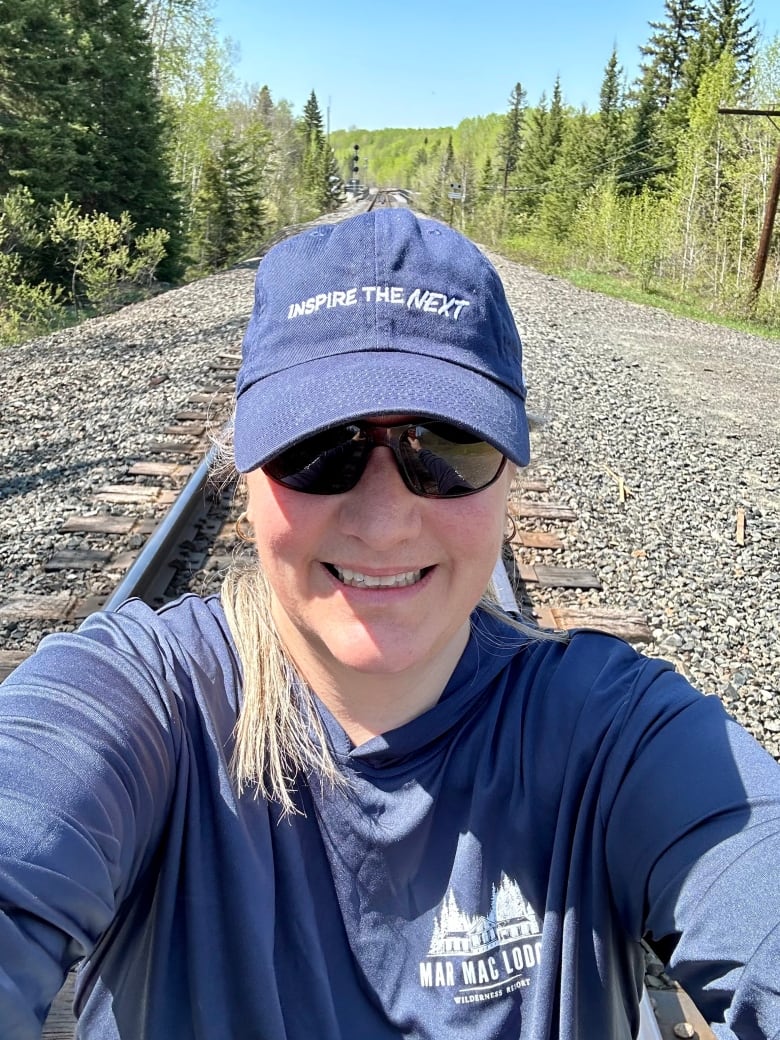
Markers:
(770, 211)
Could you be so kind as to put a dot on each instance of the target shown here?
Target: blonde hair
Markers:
(279, 735)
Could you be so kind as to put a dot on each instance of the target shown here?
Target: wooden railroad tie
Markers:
(57, 606)
(630, 625)
(189, 430)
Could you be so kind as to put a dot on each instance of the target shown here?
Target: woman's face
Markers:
(426, 561)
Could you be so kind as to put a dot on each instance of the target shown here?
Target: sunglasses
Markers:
(435, 459)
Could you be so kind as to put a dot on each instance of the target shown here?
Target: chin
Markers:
(373, 660)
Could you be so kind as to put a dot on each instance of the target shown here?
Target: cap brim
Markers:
(282, 409)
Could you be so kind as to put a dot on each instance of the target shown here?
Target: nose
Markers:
(380, 510)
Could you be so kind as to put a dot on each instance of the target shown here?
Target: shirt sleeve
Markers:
(693, 849)
(88, 749)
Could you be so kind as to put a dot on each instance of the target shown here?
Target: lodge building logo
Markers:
(482, 957)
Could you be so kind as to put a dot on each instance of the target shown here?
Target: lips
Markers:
(358, 580)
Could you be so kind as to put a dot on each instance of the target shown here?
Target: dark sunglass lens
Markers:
(328, 463)
(445, 461)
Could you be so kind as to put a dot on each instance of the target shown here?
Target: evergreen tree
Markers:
(122, 166)
(264, 106)
(40, 84)
(610, 137)
(677, 115)
(486, 186)
(644, 160)
(733, 29)
(437, 201)
(82, 113)
(510, 142)
(229, 213)
(311, 122)
(569, 176)
(669, 47)
(541, 144)
(320, 180)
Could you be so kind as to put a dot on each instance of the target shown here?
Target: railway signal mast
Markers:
(354, 183)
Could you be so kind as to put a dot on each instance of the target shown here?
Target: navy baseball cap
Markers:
(384, 313)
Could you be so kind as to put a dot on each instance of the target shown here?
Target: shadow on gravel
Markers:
(24, 462)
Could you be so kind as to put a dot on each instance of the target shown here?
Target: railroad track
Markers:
(136, 537)
(162, 532)
(150, 534)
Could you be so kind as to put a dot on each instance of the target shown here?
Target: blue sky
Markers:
(420, 64)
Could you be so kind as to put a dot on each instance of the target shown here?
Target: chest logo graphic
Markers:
(483, 956)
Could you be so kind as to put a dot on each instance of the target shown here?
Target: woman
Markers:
(350, 799)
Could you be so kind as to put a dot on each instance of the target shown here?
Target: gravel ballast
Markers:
(688, 414)
(685, 412)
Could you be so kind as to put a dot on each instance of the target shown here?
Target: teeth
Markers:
(372, 581)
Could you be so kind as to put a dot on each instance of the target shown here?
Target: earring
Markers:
(510, 532)
(242, 526)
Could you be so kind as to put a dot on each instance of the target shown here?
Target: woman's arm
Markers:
(88, 746)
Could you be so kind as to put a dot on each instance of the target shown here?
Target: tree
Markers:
(644, 161)
(192, 72)
(82, 113)
(437, 202)
(228, 207)
(669, 47)
(320, 180)
(123, 167)
(264, 106)
(569, 177)
(703, 187)
(40, 85)
(510, 142)
(733, 29)
(542, 143)
(311, 123)
(610, 136)
(164, 19)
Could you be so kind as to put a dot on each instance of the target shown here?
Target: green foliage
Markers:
(610, 138)
(26, 306)
(541, 147)
(124, 126)
(510, 143)
(668, 49)
(40, 140)
(80, 113)
(319, 179)
(228, 209)
(734, 31)
(106, 264)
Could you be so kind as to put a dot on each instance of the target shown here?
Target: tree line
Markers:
(130, 157)
(657, 185)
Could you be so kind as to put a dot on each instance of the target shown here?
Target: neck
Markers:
(367, 703)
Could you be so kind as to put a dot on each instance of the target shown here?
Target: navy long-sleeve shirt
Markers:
(486, 872)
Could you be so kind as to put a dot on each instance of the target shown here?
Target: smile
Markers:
(375, 581)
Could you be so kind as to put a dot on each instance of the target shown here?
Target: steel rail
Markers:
(145, 577)
(146, 573)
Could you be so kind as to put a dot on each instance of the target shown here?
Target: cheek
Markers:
(286, 523)
(271, 524)
(483, 516)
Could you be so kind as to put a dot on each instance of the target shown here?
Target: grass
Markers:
(557, 260)
(666, 299)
